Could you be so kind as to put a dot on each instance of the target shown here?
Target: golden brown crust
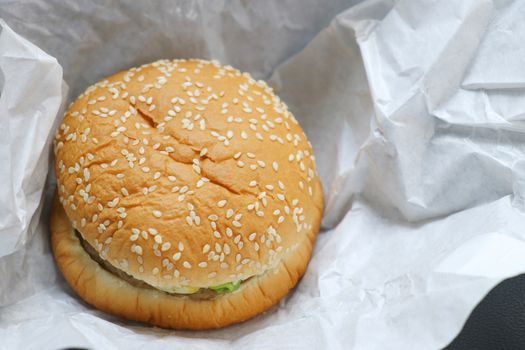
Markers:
(186, 173)
(111, 294)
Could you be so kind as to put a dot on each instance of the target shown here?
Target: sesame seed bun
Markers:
(180, 176)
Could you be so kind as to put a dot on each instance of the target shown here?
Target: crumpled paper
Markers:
(415, 109)
(30, 98)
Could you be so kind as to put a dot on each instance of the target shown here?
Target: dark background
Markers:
(498, 322)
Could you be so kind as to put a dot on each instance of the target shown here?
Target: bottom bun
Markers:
(116, 296)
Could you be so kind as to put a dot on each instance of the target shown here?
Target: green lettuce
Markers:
(226, 287)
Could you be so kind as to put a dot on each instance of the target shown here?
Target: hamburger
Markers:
(187, 195)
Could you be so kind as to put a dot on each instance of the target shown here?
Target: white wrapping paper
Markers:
(415, 109)
(30, 98)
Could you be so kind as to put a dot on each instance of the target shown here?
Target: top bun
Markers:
(186, 173)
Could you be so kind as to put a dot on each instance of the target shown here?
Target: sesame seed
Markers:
(252, 236)
(253, 183)
(181, 246)
(196, 168)
(157, 213)
(206, 248)
(203, 264)
(186, 265)
(229, 232)
(176, 256)
(138, 250)
(165, 246)
(221, 203)
(158, 239)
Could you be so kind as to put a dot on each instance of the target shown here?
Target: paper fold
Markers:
(29, 102)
